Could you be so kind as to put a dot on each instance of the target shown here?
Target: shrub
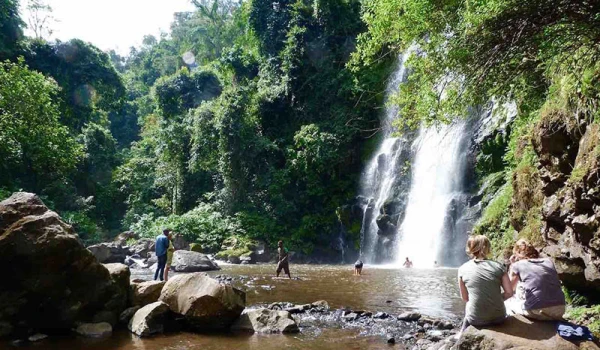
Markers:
(203, 224)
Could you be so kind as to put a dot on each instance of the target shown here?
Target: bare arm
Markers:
(506, 286)
(464, 294)
(514, 280)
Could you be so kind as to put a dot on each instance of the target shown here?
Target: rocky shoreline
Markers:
(60, 288)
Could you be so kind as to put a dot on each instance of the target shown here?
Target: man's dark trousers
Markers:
(160, 269)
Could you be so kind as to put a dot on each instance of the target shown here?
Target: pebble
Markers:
(409, 316)
(435, 335)
(391, 340)
(381, 315)
(350, 317)
(37, 337)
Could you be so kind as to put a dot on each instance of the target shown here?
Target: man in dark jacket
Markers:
(161, 248)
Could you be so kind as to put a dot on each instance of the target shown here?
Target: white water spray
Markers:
(410, 190)
(381, 172)
(437, 178)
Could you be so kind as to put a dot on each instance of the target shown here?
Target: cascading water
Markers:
(379, 182)
(414, 192)
(427, 233)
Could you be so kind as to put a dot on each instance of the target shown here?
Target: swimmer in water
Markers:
(407, 263)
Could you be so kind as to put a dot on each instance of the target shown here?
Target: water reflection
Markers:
(432, 292)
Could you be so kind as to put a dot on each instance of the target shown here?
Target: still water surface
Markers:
(432, 292)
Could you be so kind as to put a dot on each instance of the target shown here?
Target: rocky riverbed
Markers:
(59, 295)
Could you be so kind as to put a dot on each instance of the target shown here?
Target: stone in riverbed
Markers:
(105, 316)
(266, 321)
(381, 315)
(188, 261)
(146, 292)
(149, 320)
(121, 276)
(57, 281)
(142, 247)
(205, 303)
(37, 337)
(113, 252)
(127, 315)
(350, 317)
(321, 303)
(94, 330)
(409, 316)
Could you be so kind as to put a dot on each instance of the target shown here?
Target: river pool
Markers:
(432, 292)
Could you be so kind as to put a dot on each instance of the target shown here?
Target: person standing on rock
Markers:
(170, 252)
(161, 249)
(283, 261)
(480, 281)
(535, 280)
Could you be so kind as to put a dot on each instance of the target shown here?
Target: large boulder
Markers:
(150, 319)
(54, 281)
(180, 243)
(142, 247)
(266, 321)
(188, 261)
(518, 333)
(123, 237)
(112, 252)
(205, 303)
(145, 293)
(121, 276)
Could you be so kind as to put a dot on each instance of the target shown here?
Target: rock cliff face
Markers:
(569, 155)
(51, 280)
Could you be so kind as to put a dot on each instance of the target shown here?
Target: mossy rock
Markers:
(196, 247)
(232, 253)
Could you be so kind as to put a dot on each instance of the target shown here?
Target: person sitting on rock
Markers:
(161, 248)
(479, 281)
(358, 266)
(538, 293)
(407, 263)
(170, 252)
(283, 262)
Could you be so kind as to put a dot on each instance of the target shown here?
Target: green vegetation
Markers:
(541, 55)
(243, 121)
(254, 119)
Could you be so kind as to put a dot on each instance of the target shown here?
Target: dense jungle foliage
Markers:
(243, 119)
(255, 118)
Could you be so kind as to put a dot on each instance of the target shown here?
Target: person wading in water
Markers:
(358, 266)
(283, 263)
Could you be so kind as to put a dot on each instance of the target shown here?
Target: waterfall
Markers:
(437, 187)
(379, 181)
(414, 193)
